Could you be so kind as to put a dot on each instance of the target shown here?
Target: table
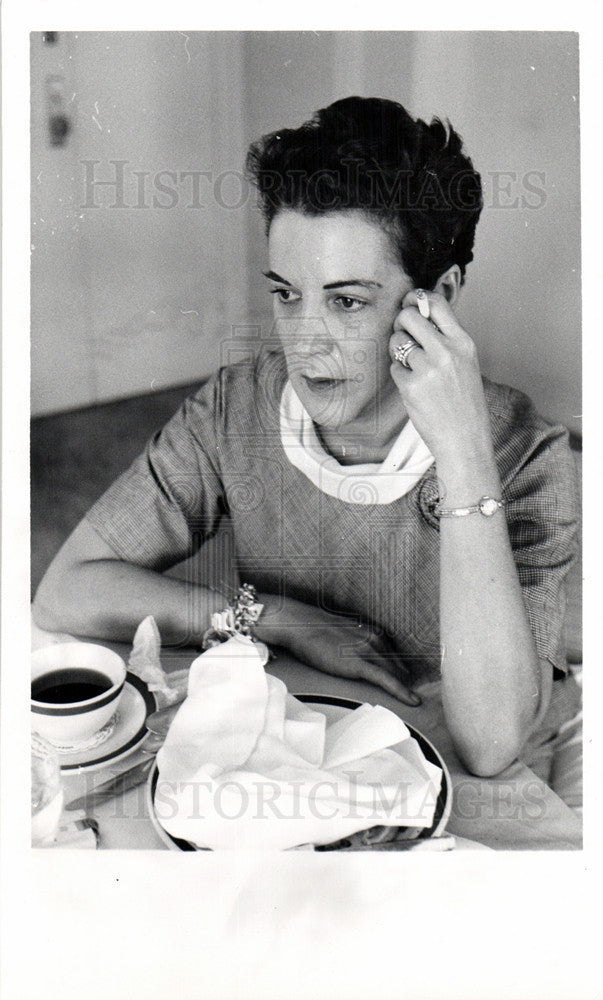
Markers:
(515, 810)
(300, 923)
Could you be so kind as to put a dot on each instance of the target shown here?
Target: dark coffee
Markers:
(69, 684)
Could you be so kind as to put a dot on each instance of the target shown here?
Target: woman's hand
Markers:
(334, 644)
(442, 390)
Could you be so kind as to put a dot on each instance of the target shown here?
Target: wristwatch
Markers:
(486, 506)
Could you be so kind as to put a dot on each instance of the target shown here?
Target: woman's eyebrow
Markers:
(353, 281)
(365, 283)
(276, 277)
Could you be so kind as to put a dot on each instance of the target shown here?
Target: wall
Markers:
(124, 300)
(514, 98)
(132, 292)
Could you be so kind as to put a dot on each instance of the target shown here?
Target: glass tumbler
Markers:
(46, 792)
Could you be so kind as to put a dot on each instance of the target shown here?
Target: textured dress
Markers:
(222, 456)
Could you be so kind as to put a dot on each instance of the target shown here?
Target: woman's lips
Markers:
(322, 384)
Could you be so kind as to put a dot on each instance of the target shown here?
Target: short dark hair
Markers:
(370, 154)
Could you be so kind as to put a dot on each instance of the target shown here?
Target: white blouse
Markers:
(370, 483)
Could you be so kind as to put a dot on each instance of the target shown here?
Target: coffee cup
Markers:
(75, 689)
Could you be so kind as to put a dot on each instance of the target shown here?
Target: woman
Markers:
(400, 517)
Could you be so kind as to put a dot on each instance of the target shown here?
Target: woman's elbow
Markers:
(488, 757)
(50, 609)
(488, 765)
(59, 593)
(69, 581)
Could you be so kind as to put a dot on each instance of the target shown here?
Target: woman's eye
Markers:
(349, 304)
(285, 295)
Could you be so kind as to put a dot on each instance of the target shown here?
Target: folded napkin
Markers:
(145, 662)
(246, 765)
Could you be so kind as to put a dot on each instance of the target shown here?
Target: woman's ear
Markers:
(449, 283)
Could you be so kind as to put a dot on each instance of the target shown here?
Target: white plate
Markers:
(332, 708)
(127, 731)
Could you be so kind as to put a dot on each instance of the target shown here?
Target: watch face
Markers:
(488, 506)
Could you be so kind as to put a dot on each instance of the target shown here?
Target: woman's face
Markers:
(337, 289)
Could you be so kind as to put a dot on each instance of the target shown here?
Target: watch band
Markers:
(487, 506)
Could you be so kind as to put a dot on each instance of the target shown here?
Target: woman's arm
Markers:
(495, 689)
(87, 590)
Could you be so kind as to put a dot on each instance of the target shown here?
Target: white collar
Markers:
(370, 483)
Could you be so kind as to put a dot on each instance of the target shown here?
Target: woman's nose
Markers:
(306, 335)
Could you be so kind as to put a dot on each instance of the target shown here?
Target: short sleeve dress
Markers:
(221, 456)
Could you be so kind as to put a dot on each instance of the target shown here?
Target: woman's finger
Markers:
(375, 674)
(406, 355)
(435, 307)
(410, 322)
(401, 347)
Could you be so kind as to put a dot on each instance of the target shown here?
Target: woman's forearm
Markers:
(491, 676)
(107, 599)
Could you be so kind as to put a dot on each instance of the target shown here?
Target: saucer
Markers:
(100, 736)
(125, 730)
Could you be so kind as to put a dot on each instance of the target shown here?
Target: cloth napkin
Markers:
(246, 765)
(145, 662)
